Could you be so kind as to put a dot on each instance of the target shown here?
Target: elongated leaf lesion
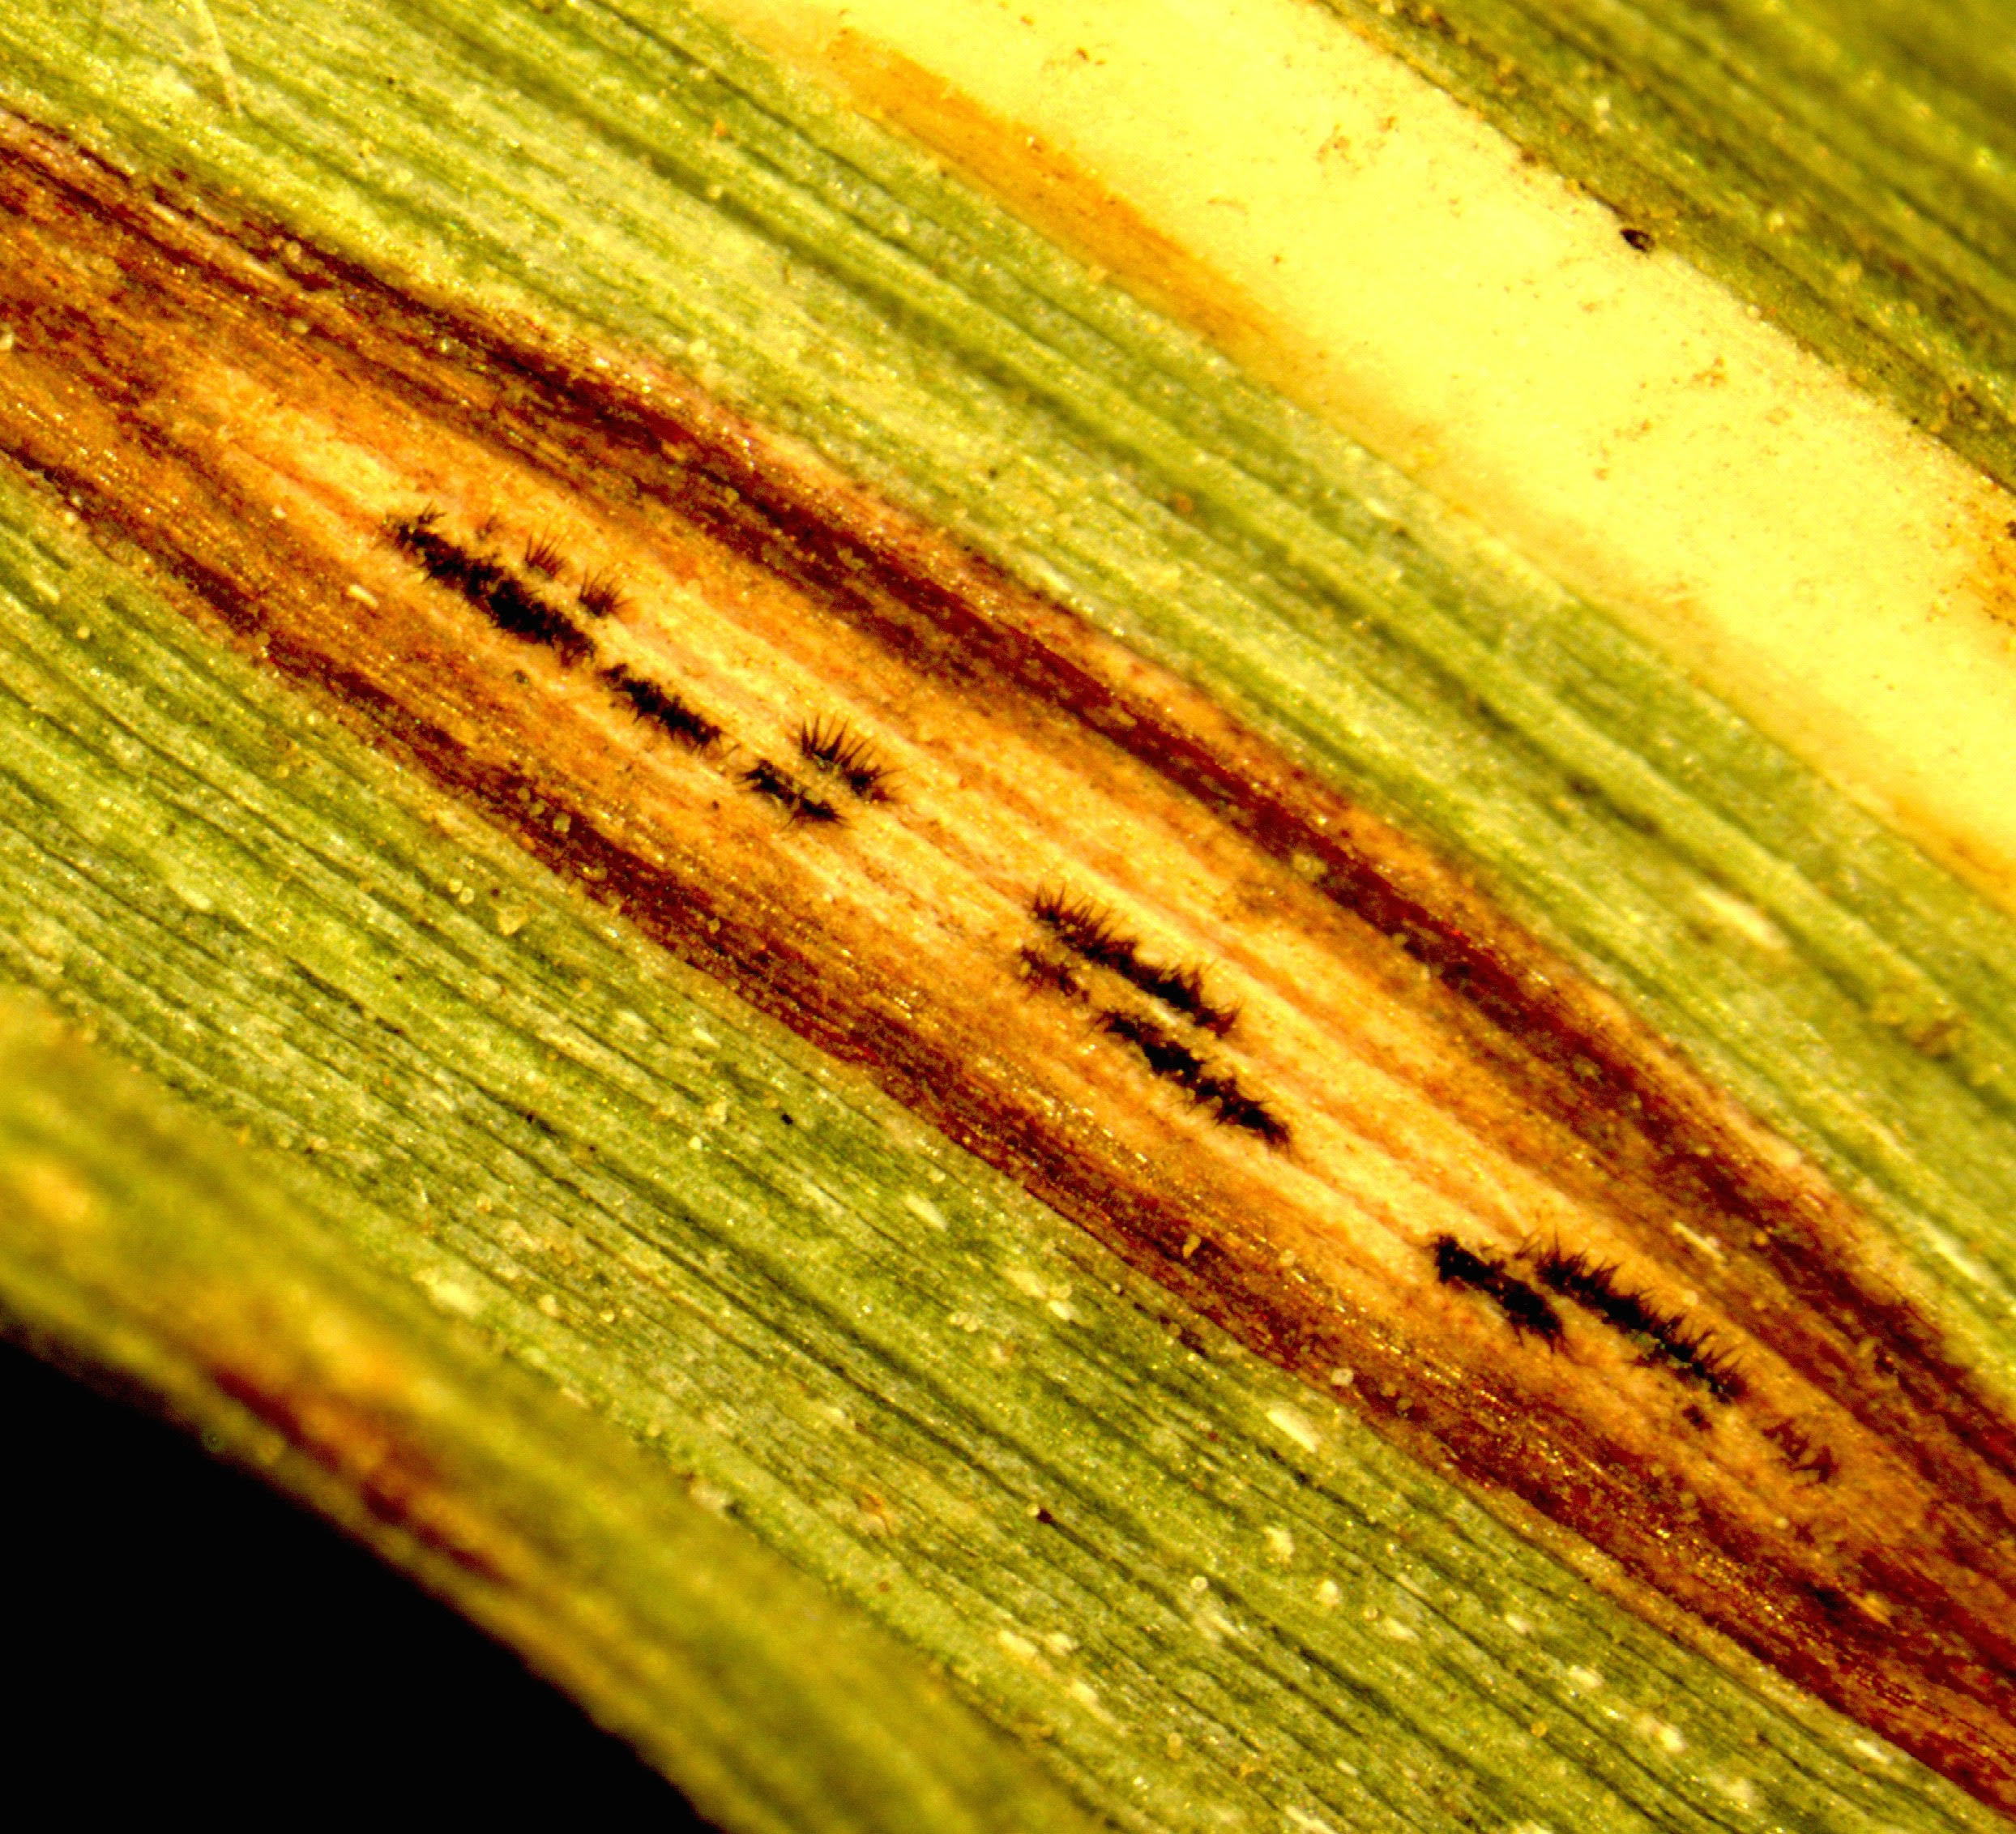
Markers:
(1401, 1092)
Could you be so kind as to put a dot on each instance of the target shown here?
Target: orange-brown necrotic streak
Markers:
(1265, 1046)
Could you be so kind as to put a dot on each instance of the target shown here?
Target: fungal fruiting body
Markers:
(1094, 935)
(664, 709)
(1662, 1338)
(1215, 1091)
(1049, 973)
(511, 606)
(798, 803)
(833, 747)
(1525, 1310)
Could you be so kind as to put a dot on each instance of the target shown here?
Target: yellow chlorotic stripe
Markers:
(1355, 236)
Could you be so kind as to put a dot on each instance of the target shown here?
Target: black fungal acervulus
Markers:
(1816, 1463)
(1094, 935)
(667, 710)
(1218, 1093)
(832, 747)
(493, 589)
(1088, 932)
(1662, 1339)
(1046, 973)
(1164, 1053)
(1526, 1311)
(1233, 1107)
(800, 805)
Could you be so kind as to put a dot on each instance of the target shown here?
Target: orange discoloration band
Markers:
(387, 500)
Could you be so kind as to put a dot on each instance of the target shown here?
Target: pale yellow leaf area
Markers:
(1364, 243)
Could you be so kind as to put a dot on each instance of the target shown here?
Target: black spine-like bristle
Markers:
(511, 606)
(668, 711)
(798, 803)
(1524, 1309)
(543, 556)
(831, 746)
(601, 595)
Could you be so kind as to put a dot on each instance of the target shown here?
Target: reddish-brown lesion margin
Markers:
(1923, 1664)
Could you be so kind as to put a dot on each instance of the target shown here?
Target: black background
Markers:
(179, 1637)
